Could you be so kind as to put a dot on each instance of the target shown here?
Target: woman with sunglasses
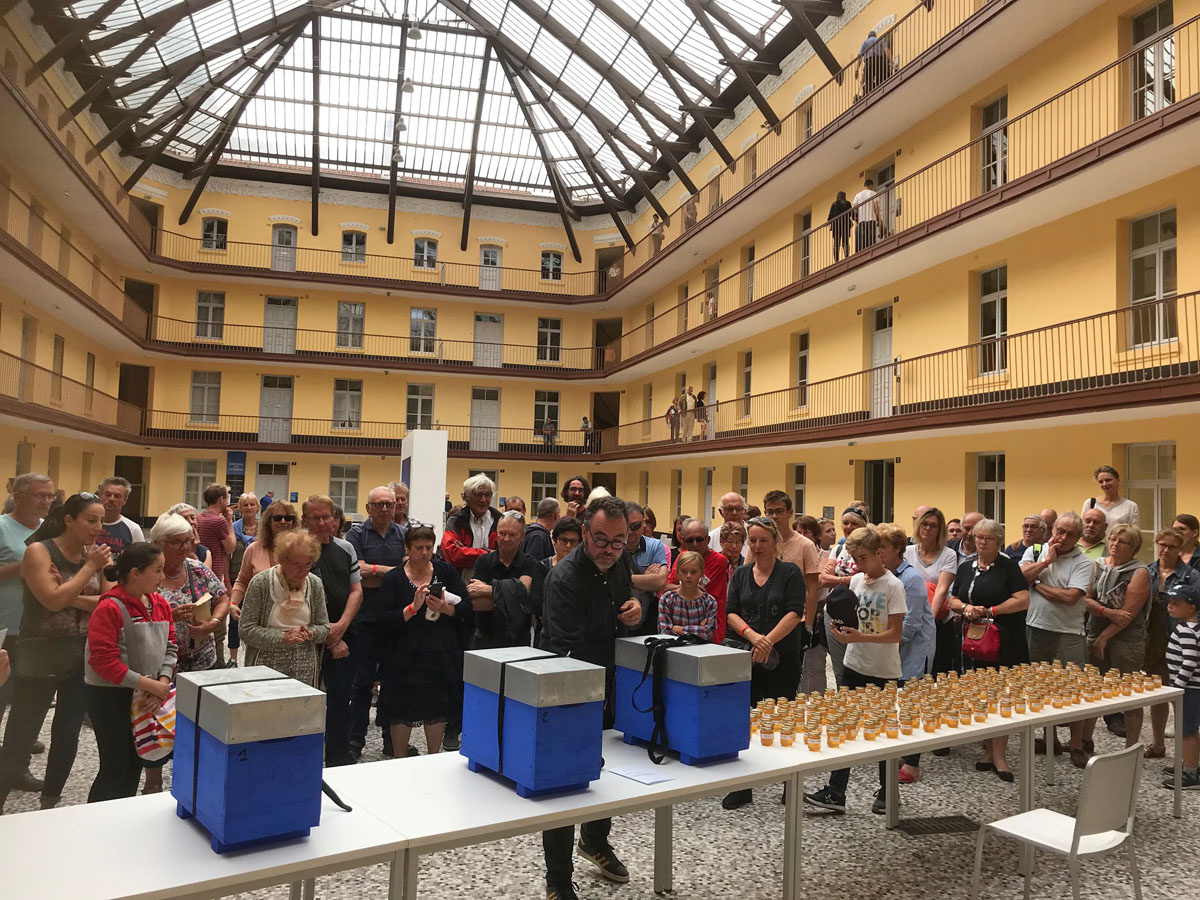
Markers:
(279, 518)
(764, 608)
(62, 574)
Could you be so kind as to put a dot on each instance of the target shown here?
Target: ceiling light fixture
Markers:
(400, 126)
(406, 87)
(397, 157)
(415, 33)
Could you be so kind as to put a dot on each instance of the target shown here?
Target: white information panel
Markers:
(423, 469)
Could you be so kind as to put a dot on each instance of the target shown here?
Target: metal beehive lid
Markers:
(698, 664)
(554, 682)
(262, 710)
(188, 684)
(482, 667)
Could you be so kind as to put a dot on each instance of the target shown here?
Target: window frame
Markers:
(354, 246)
(354, 313)
(341, 482)
(416, 393)
(425, 253)
(799, 488)
(802, 346)
(549, 339)
(218, 240)
(194, 482)
(349, 399)
(552, 265)
(1165, 322)
(993, 348)
(994, 488)
(543, 405)
(418, 340)
(542, 484)
(207, 328)
(208, 411)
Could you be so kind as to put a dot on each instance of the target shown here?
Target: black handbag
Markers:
(56, 656)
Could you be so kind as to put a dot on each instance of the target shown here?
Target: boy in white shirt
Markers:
(872, 649)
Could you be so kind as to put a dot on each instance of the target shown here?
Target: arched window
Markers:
(354, 247)
(214, 233)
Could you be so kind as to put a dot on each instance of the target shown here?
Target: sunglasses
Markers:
(513, 514)
(283, 518)
(696, 540)
(762, 520)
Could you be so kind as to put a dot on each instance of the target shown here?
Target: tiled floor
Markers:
(721, 854)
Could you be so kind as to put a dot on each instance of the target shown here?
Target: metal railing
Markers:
(1095, 108)
(37, 386)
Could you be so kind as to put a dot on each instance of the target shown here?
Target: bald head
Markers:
(969, 521)
(733, 507)
(1049, 516)
(918, 512)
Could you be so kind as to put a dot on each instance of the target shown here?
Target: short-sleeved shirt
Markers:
(946, 561)
(648, 551)
(1070, 570)
(919, 637)
(118, 535)
(338, 570)
(1123, 513)
(370, 546)
(200, 580)
(12, 550)
(991, 587)
(878, 600)
(800, 550)
(213, 528)
(865, 207)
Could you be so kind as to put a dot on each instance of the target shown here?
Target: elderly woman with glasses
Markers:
(279, 518)
(199, 551)
(284, 621)
(764, 609)
(185, 584)
(733, 543)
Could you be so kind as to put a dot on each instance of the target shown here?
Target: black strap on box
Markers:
(656, 662)
(500, 719)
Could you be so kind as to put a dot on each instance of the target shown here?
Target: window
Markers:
(799, 484)
(808, 121)
(206, 398)
(210, 315)
(994, 144)
(1150, 483)
(425, 253)
(993, 321)
(214, 234)
(712, 291)
(1153, 60)
(747, 360)
(989, 485)
(748, 276)
(347, 403)
(351, 319)
(343, 487)
(89, 379)
(354, 247)
(643, 488)
(676, 493)
(647, 407)
(56, 381)
(197, 475)
(1152, 272)
(805, 245)
(680, 383)
(682, 308)
(549, 340)
(741, 476)
(649, 325)
(801, 397)
(422, 330)
(545, 409)
(551, 265)
(545, 484)
(420, 406)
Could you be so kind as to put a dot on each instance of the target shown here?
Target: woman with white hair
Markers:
(185, 585)
(199, 551)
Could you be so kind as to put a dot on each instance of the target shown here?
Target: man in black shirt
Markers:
(379, 545)
(586, 595)
(338, 570)
(500, 590)
(537, 543)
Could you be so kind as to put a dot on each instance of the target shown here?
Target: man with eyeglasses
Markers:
(733, 509)
(1033, 532)
(587, 595)
(500, 590)
(33, 493)
(337, 567)
(716, 570)
(379, 545)
(575, 491)
(648, 560)
(793, 546)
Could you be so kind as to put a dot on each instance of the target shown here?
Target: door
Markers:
(881, 364)
(485, 419)
(272, 477)
(490, 257)
(1153, 60)
(607, 334)
(135, 469)
(25, 381)
(609, 265)
(885, 181)
(879, 476)
(283, 248)
(706, 508)
(279, 325)
(275, 410)
(489, 340)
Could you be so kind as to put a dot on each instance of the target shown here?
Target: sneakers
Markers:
(827, 799)
(561, 892)
(605, 859)
(1191, 780)
(879, 804)
(452, 742)
(737, 799)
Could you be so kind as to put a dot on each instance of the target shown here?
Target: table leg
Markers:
(891, 791)
(294, 890)
(396, 873)
(1026, 775)
(1050, 735)
(310, 889)
(793, 826)
(664, 849)
(1179, 756)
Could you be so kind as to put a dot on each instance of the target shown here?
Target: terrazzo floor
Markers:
(739, 854)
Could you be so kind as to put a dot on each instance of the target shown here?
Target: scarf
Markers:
(286, 603)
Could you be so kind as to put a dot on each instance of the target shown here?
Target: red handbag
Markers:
(981, 641)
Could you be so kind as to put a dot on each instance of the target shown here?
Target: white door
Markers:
(489, 267)
(279, 325)
(489, 340)
(283, 249)
(275, 410)
(708, 498)
(485, 419)
(25, 380)
(881, 362)
(272, 477)
(885, 182)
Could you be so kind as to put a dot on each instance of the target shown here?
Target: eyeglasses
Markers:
(382, 504)
(602, 542)
(1163, 545)
(697, 539)
(283, 518)
(733, 509)
(571, 541)
(513, 514)
(776, 512)
(182, 544)
(37, 496)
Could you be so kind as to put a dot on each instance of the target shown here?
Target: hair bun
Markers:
(111, 573)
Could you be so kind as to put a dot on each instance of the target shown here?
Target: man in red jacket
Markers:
(471, 532)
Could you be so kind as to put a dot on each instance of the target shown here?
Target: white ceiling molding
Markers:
(426, 232)
(804, 92)
(492, 239)
(749, 140)
(553, 245)
(613, 238)
(885, 22)
(284, 220)
(213, 211)
(713, 172)
(151, 193)
(353, 226)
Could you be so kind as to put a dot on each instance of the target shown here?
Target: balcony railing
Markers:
(1079, 117)
(44, 389)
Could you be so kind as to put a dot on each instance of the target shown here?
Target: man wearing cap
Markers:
(1183, 659)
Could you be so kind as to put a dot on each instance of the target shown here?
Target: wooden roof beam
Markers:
(701, 11)
(73, 38)
(803, 19)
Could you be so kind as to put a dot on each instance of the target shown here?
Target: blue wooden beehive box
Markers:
(249, 747)
(706, 694)
(534, 718)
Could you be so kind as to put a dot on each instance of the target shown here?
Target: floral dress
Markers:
(200, 580)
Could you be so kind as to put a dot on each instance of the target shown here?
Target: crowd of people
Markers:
(97, 613)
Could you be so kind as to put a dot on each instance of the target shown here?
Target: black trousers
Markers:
(559, 844)
(31, 699)
(337, 679)
(120, 767)
(6, 689)
(839, 778)
(947, 654)
(366, 673)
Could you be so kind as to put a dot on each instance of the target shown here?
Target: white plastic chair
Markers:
(1102, 823)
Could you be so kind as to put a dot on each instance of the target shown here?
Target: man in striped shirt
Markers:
(1183, 661)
